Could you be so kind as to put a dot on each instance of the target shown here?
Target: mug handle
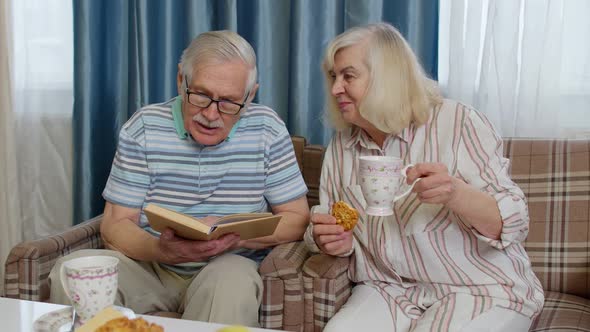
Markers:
(64, 280)
(405, 175)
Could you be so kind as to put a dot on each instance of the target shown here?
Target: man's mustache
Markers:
(210, 124)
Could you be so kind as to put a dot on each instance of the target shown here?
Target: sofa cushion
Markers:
(563, 312)
(555, 177)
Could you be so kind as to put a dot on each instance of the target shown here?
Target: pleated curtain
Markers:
(126, 55)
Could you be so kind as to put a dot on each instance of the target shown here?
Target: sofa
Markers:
(303, 291)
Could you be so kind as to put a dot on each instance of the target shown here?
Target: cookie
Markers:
(125, 324)
(345, 215)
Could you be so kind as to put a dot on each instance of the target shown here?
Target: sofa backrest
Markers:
(555, 177)
(310, 158)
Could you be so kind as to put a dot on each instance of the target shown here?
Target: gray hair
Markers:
(221, 46)
(399, 92)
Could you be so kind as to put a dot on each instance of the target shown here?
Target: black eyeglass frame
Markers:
(211, 100)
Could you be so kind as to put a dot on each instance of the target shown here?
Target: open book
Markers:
(247, 225)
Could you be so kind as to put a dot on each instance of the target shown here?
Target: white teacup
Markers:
(90, 283)
(380, 179)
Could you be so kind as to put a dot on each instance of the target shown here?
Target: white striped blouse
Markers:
(425, 250)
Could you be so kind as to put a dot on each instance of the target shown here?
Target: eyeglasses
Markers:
(203, 101)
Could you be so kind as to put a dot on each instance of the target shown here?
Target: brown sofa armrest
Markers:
(326, 288)
(282, 299)
(29, 263)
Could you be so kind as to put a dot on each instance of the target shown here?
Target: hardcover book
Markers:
(247, 225)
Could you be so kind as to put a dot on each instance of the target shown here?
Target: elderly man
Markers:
(208, 152)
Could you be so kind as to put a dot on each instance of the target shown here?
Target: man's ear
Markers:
(252, 93)
(179, 81)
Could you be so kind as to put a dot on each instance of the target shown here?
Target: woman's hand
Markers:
(436, 186)
(476, 208)
(330, 237)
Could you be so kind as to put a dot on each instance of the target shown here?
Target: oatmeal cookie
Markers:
(125, 324)
(345, 215)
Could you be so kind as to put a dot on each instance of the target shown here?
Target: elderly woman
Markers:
(450, 258)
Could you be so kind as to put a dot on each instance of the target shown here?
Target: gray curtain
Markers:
(126, 55)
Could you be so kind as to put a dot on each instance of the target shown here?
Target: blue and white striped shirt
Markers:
(158, 162)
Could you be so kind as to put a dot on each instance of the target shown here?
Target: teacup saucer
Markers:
(61, 320)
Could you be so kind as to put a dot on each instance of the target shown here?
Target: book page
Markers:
(249, 229)
(160, 218)
(240, 217)
(247, 225)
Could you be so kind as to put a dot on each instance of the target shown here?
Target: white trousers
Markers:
(367, 310)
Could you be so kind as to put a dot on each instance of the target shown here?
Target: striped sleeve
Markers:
(129, 180)
(330, 182)
(326, 193)
(283, 182)
(308, 236)
(330, 189)
(481, 164)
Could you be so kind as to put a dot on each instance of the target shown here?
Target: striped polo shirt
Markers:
(157, 161)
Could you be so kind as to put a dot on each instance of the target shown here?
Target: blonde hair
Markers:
(398, 94)
(222, 46)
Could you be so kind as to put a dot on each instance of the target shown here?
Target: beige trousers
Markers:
(228, 290)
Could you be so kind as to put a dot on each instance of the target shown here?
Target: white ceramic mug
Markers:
(381, 178)
(90, 283)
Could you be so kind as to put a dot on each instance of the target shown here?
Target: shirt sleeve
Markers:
(330, 191)
(327, 191)
(330, 178)
(283, 182)
(129, 179)
(481, 164)
(308, 236)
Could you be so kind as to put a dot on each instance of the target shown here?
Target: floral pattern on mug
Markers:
(91, 288)
(380, 178)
